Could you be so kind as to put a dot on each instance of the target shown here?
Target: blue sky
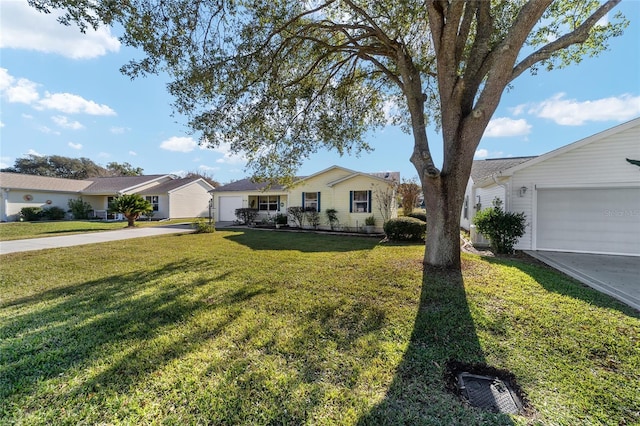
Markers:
(61, 94)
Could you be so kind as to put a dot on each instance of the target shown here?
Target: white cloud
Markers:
(21, 91)
(72, 104)
(48, 130)
(570, 112)
(34, 152)
(64, 122)
(505, 127)
(481, 153)
(133, 153)
(179, 144)
(27, 116)
(104, 154)
(208, 168)
(228, 156)
(23, 27)
(75, 145)
(1, 124)
(5, 162)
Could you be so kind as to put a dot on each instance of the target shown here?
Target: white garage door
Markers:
(589, 220)
(227, 208)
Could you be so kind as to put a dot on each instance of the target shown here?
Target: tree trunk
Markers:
(443, 201)
(131, 220)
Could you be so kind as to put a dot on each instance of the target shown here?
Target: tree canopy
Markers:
(69, 168)
(280, 79)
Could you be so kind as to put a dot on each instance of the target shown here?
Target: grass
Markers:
(255, 327)
(25, 230)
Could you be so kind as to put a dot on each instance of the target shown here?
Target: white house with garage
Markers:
(583, 197)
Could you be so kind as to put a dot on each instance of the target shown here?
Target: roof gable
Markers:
(115, 184)
(248, 184)
(482, 169)
(575, 145)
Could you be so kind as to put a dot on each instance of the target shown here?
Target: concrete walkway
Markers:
(617, 276)
(16, 246)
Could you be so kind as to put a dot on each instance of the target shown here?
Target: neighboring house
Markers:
(171, 197)
(353, 194)
(583, 197)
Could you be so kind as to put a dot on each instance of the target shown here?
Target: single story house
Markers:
(354, 195)
(170, 196)
(583, 197)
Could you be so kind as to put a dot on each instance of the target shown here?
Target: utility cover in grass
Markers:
(489, 393)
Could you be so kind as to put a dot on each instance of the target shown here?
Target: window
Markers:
(268, 203)
(360, 202)
(311, 200)
(153, 199)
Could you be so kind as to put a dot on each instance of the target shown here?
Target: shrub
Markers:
(297, 215)
(201, 226)
(405, 229)
(370, 220)
(502, 229)
(53, 213)
(418, 215)
(247, 215)
(31, 214)
(281, 219)
(79, 209)
(332, 218)
(313, 216)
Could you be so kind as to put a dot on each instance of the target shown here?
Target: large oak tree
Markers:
(281, 79)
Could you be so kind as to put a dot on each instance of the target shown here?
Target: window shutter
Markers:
(278, 206)
(303, 200)
(319, 201)
(369, 199)
(350, 201)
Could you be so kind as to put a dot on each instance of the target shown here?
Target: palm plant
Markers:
(131, 206)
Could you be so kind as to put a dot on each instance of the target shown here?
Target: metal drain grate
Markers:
(489, 393)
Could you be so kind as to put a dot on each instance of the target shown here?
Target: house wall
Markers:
(189, 201)
(598, 164)
(338, 197)
(246, 197)
(13, 201)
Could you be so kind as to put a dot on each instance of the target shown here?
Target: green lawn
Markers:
(23, 230)
(257, 327)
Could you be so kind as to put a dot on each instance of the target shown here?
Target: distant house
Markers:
(354, 195)
(170, 196)
(583, 197)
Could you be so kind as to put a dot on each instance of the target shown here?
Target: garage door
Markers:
(589, 220)
(227, 208)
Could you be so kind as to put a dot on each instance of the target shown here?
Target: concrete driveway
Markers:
(31, 244)
(617, 276)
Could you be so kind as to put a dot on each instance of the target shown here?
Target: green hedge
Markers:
(405, 229)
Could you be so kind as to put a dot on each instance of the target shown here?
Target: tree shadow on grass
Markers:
(443, 332)
(556, 282)
(303, 242)
(76, 326)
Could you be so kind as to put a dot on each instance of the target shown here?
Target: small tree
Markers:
(409, 191)
(313, 216)
(502, 229)
(332, 218)
(131, 206)
(385, 201)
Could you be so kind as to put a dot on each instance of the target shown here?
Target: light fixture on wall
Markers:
(523, 190)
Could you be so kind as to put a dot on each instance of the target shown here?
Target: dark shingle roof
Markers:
(484, 168)
(103, 185)
(248, 185)
(168, 186)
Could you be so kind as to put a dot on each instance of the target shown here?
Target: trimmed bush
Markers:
(246, 215)
(297, 215)
(502, 229)
(79, 209)
(31, 214)
(405, 229)
(201, 226)
(418, 215)
(53, 213)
